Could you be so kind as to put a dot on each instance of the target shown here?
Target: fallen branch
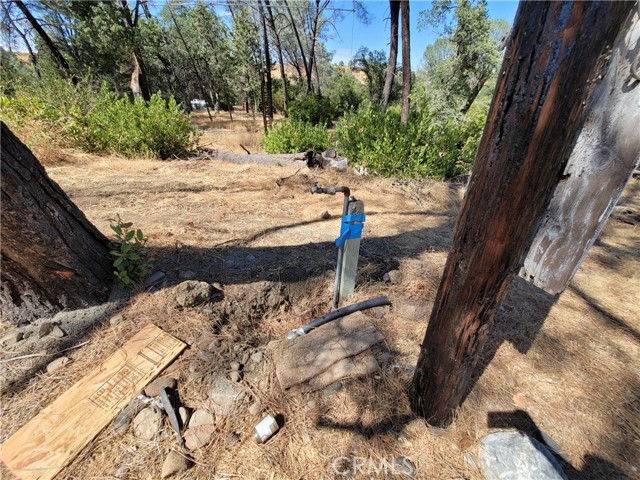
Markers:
(42, 354)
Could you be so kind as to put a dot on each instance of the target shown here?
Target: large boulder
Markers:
(516, 456)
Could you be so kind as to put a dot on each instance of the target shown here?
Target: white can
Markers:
(265, 429)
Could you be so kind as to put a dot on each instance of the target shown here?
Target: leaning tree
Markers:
(560, 142)
(52, 257)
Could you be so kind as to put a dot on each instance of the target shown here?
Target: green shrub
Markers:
(426, 146)
(344, 91)
(314, 110)
(156, 128)
(98, 121)
(292, 136)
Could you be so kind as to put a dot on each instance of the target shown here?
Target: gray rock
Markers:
(256, 357)
(45, 329)
(325, 215)
(174, 463)
(206, 355)
(56, 332)
(154, 279)
(235, 376)
(121, 472)
(245, 357)
(394, 277)
(11, 338)
(235, 366)
(147, 423)
(57, 364)
(224, 395)
(183, 415)
(192, 293)
(123, 419)
(335, 387)
(255, 408)
(201, 417)
(330, 153)
(341, 164)
(153, 389)
(186, 275)
(516, 456)
(116, 320)
(404, 468)
(198, 437)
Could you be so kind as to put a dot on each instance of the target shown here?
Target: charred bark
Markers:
(52, 257)
(394, 6)
(267, 60)
(406, 60)
(276, 37)
(554, 53)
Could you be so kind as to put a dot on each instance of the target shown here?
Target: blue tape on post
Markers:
(350, 228)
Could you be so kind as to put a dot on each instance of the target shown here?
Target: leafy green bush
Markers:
(426, 146)
(344, 91)
(54, 105)
(292, 136)
(314, 110)
(155, 128)
(99, 121)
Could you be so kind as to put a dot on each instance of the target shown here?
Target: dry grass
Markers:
(226, 134)
(575, 361)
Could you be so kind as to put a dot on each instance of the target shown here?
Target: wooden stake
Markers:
(556, 51)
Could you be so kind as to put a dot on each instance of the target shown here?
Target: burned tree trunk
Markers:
(394, 6)
(268, 89)
(556, 52)
(52, 257)
(406, 60)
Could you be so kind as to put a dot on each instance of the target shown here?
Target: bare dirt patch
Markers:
(569, 367)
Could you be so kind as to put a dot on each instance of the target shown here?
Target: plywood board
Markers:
(48, 442)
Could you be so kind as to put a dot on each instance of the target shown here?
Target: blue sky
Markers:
(353, 34)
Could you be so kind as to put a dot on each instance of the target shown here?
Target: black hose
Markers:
(330, 190)
(349, 309)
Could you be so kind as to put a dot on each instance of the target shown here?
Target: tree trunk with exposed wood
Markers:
(555, 54)
(52, 257)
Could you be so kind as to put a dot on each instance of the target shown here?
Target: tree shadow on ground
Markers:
(297, 264)
(519, 322)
